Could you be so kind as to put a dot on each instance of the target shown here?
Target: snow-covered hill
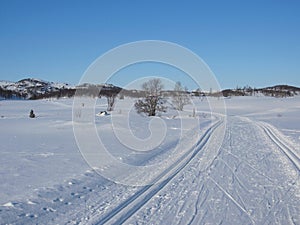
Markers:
(37, 89)
(274, 91)
(34, 89)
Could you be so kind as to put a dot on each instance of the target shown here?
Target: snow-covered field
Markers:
(248, 176)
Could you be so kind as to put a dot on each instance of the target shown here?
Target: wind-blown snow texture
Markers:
(252, 179)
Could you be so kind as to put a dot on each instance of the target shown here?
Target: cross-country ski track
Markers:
(120, 214)
(231, 187)
(280, 142)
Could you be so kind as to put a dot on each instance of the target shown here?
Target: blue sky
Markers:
(253, 42)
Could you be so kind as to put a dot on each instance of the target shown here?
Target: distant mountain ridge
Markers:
(273, 91)
(31, 88)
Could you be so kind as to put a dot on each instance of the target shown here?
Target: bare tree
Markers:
(153, 101)
(110, 92)
(111, 100)
(180, 96)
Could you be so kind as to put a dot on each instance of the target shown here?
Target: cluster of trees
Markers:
(33, 94)
(108, 91)
(58, 93)
(278, 91)
(154, 101)
(151, 99)
(10, 94)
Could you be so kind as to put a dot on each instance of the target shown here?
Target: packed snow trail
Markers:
(280, 142)
(133, 204)
(249, 180)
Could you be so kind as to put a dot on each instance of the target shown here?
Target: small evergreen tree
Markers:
(31, 114)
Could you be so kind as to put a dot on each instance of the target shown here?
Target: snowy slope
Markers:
(31, 88)
(252, 179)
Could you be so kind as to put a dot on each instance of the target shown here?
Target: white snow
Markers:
(253, 178)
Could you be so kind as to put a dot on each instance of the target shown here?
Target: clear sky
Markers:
(245, 42)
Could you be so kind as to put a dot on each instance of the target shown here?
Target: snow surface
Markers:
(253, 178)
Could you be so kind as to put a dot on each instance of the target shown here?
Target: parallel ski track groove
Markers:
(141, 197)
(288, 152)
